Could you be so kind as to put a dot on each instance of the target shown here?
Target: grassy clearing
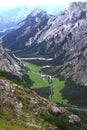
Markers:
(38, 82)
(33, 67)
(58, 85)
(35, 75)
(42, 87)
(64, 92)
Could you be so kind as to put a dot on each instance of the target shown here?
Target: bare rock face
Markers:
(8, 64)
(22, 30)
(62, 37)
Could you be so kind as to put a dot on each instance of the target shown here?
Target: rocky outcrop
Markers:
(17, 102)
(74, 119)
(23, 106)
(57, 110)
(8, 97)
(62, 37)
(8, 64)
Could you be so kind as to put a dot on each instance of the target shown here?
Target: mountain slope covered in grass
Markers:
(21, 108)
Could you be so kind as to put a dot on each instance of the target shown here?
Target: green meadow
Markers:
(42, 87)
(63, 92)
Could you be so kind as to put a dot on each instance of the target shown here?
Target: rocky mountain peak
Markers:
(38, 13)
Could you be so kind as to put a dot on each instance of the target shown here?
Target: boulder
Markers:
(74, 120)
(57, 110)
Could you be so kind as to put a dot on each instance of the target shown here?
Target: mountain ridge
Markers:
(22, 108)
(62, 37)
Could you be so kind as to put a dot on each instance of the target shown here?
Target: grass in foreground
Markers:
(9, 125)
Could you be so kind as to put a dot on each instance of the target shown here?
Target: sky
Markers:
(14, 3)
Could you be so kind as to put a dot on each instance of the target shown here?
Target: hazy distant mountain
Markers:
(21, 31)
(9, 17)
(63, 37)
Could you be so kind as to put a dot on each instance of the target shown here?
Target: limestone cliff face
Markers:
(62, 37)
(19, 38)
(8, 64)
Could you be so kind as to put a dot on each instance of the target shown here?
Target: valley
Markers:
(43, 71)
(42, 87)
(65, 92)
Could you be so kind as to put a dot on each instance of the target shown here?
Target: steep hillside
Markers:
(62, 37)
(8, 64)
(21, 108)
(13, 69)
(20, 36)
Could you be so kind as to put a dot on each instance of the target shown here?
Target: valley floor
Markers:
(65, 93)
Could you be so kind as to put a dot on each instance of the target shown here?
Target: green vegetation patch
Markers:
(64, 92)
(11, 125)
(42, 87)
(12, 78)
(60, 121)
(33, 67)
(75, 94)
(58, 85)
(35, 75)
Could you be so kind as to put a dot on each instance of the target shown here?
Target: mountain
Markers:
(62, 37)
(10, 17)
(8, 64)
(21, 108)
(23, 28)
(5, 23)
(12, 69)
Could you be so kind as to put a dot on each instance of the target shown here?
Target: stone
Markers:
(74, 120)
(57, 110)
(19, 108)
